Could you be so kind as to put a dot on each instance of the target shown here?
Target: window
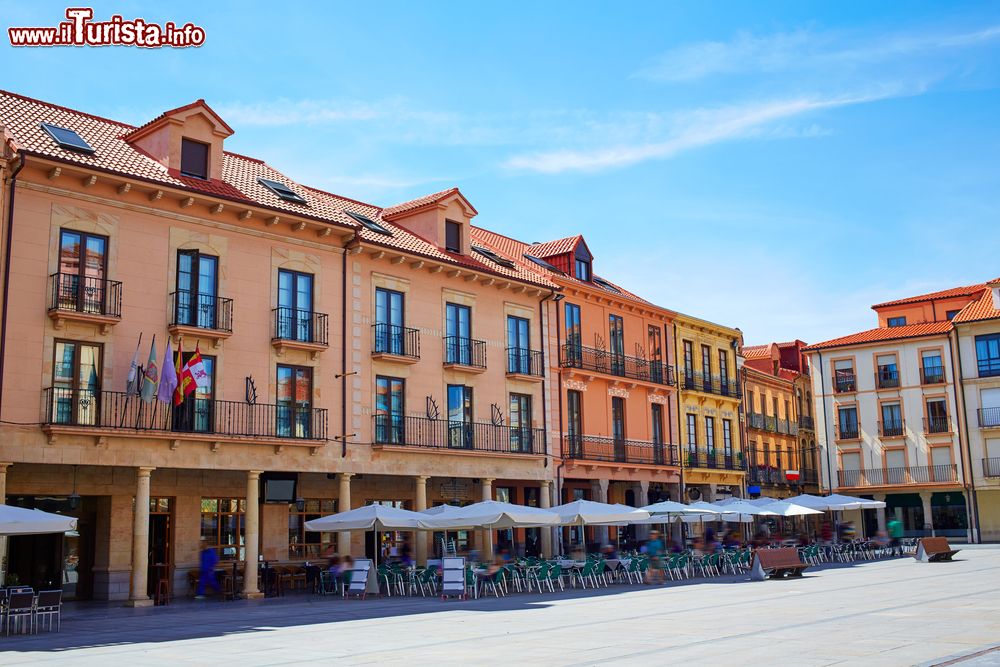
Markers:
(788, 411)
(897, 322)
(518, 345)
(763, 404)
(604, 284)
(81, 283)
(368, 223)
(809, 404)
(197, 413)
(888, 372)
(724, 366)
(618, 426)
(655, 339)
(76, 383)
(727, 437)
(390, 419)
(196, 300)
(706, 363)
(950, 314)
(931, 367)
(616, 336)
(282, 190)
(574, 422)
(582, 267)
(458, 334)
(389, 321)
(710, 435)
(194, 159)
(306, 544)
(222, 526)
(656, 413)
(294, 402)
(937, 415)
(750, 404)
(688, 364)
(844, 379)
(520, 423)
(574, 335)
(489, 254)
(692, 432)
(892, 420)
(774, 405)
(452, 236)
(294, 319)
(460, 416)
(67, 139)
(847, 422)
(988, 355)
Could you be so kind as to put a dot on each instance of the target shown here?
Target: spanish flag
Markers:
(185, 381)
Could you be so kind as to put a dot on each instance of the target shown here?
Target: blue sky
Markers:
(775, 166)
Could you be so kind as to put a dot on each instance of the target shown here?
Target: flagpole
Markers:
(138, 415)
(128, 388)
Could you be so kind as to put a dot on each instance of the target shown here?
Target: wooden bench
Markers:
(776, 564)
(934, 550)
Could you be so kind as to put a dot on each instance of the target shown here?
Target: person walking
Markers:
(206, 574)
(654, 549)
(895, 530)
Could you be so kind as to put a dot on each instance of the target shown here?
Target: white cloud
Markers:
(801, 50)
(692, 129)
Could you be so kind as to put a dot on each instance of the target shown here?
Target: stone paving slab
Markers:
(895, 612)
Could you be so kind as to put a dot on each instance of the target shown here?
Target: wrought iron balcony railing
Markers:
(396, 340)
(988, 417)
(771, 424)
(71, 292)
(619, 450)
(844, 383)
(936, 425)
(714, 458)
(603, 361)
(709, 384)
(898, 476)
(848, 432)
(806, 422)
(301, 326)
(401, 430)
(887, 377)
(755, 420)
(522, 361)
(127, 412)
(465, 352)
(991, 467)
(895, 428)
(932, 375)
(204, 311)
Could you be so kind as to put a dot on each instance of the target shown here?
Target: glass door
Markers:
(81, 282)
(294, 404)
(76, 383)
(520, 423)
(197, 287)
(618, 426)
(295, 306)
(389, 321)
(460, 416)
(458, 334)
(616, 338)
(389, 414)
(574, 335)
(518, 345)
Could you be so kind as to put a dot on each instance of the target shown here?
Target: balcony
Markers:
(942, 474)
(989, 417)
(932, 375)
(892, 429)
(991, 467)
(710, 384)
(771, 424)
(443, 434)
(118, 413)
(602, 361)
(391, 342)
(714, 459)
(755, 420)
(84, 299)
(465, 354)
(524, 364)
(806, 422)
(847, 432)
(845, 383)
(766, 474)
(201, 316)
(299, 330)
(936, 425)
(639, 452)
(887, 377)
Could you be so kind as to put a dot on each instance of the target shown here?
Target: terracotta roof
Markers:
(21, 117)
(420, 202)
(197, 103)
(980, 309)
(553, 248)
(756, 351)
(885, 334)
(515, 250)
(968, 290)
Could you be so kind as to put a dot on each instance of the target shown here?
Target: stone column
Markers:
(251, 536)
(344, 504)
(880, 512)
(138, 597)
(545, 502)
(486, 538)
(642, 498)
(420, 504)
(3, 538)
(925, 498)
(599, 489)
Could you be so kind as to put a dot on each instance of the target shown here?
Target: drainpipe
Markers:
(972, 497)
(826, 421)
(541, 349)
(348, 247)
(6, 273)
(681, 452)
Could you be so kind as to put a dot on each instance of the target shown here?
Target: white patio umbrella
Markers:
(21, 521)
(673, 507)
(782, 508)
(592, 513)
(763, 500)
(710, 512)
(864, 502)
(438, 509)
(492, 515)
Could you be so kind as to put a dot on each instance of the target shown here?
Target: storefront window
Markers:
(222, 526)
(304, 544)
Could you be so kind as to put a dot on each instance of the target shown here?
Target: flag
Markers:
(151, 376)
(134, 383)
(185, 381)
(169, 380)
(196, 366)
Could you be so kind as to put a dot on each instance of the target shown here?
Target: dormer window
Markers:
(897, 322)
(582, 270)
(194, 159)
(452, 236)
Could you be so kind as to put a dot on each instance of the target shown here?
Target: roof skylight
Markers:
(67, 139)
(502, 261)
(282, 190)
(541, 262)
(368, 223)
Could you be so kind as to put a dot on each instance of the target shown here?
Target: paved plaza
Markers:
(896, 612)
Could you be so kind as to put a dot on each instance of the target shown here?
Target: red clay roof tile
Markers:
(884, 334)
(967, 290)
